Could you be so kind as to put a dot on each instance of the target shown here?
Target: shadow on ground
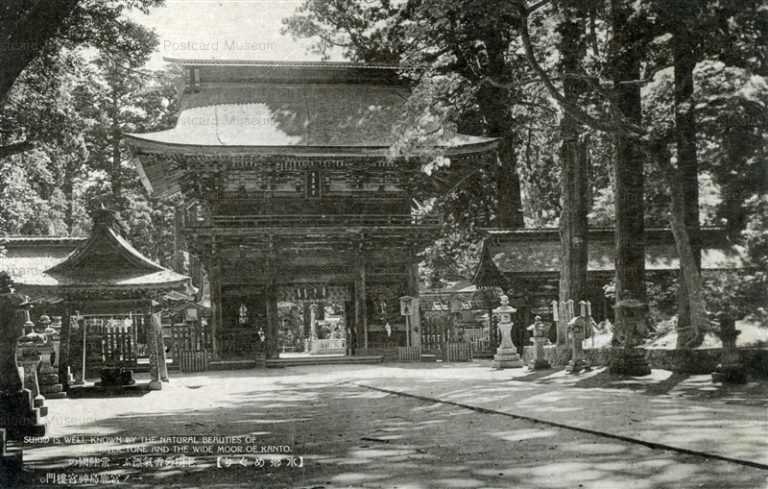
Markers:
(353, 437)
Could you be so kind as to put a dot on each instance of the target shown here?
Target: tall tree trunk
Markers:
(496, 104)
(685, 56)
(68, 188)
(117, 170)
(626, 53)
(117, 177)
(509, 207)
(685, 250)
(573, 167)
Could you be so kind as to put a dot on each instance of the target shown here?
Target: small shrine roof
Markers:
(508, 253)
(263, 106)
(104, 261)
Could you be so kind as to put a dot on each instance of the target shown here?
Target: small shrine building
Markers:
(103, 277)
(526, 264)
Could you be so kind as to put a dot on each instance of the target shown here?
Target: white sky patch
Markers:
(225, 29)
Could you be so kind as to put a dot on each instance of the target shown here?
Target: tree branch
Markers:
(15, 148)
(27, 35)
(619, 127)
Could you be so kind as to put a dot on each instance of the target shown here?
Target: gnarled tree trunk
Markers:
(688, 263)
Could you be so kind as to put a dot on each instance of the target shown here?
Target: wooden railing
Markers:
(338, 345)
(315, 220)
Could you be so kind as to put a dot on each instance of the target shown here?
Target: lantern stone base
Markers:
(507, 358)
(733, 373)
(630, 361)
(539, 364)
(116, 377)
(578, 365)
(50, 387)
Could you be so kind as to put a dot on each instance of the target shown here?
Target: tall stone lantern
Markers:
(506, 355)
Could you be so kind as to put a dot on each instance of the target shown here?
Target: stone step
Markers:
(47, 389)
(56, 395)
(231, 364)
(320, 360)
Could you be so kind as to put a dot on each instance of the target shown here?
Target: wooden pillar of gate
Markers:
(414, 320)
(214, 282)
(64, 346)
(361, 306)
(270, 300)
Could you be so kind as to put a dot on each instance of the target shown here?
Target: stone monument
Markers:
(629, 359)
(506, 355)
(540, 330)
(730, 370)
(18, 413)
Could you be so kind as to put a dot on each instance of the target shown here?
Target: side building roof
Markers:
(102, 263)
(536, 252)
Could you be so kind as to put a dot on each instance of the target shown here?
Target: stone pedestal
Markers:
(539, 362)
(506, 355)
(116, 377)
(539, 340)
(11, 463)
(630, 322)
(630, 361)
(730, 370)
(48, 376)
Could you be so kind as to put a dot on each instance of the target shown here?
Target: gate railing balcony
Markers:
(314, 220)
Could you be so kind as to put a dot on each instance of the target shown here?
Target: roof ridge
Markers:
(287, 64)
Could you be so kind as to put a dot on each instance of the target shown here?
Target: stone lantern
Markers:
(48, 375)
(506, 355)
(20, 414)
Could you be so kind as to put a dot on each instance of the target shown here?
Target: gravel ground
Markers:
(349, 436)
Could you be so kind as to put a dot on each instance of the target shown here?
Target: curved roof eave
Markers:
(147, 142)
